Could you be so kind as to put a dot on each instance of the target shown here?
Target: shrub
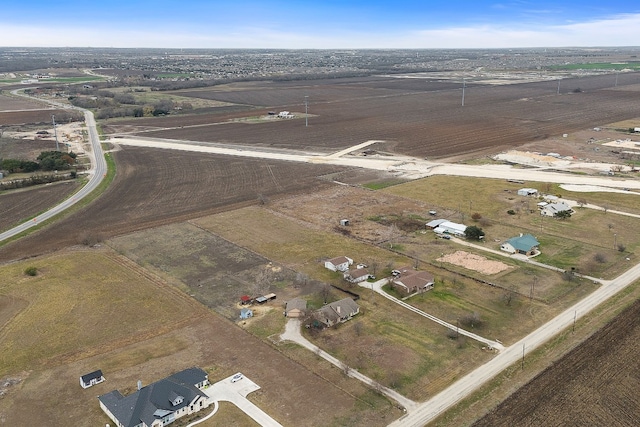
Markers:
(31, 271)
(511, 212)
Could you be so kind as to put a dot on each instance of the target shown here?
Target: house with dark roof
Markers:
(525, 244)
(337, 312)
(91, 379)
(409, 281)
(159, 403)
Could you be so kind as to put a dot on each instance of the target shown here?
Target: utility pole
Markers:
(558, 91)
(533, 286)
(575, 313)
(55, 131)
(615, 240)
(306, 110)
(522, 356)
(463, 87)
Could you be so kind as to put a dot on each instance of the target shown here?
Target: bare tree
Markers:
(509, 295)
(325, 291)
(581, 202)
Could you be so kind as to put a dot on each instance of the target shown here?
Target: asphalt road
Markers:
(432, 408)
(96, 175)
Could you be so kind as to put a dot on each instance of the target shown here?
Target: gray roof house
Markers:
(357, 275)
(553, 208)
(159, 403)
(337, 312)
(524, 244)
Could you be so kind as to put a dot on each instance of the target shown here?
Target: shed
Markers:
(246, 313)
(91, 379)
(527, 192)
(448, 227)
(344, 222)
(245, 299)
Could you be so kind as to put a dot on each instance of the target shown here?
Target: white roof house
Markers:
(527, 192)
(448, 227)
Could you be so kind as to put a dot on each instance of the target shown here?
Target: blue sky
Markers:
(320, 24)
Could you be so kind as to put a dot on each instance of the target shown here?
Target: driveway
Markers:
(292, 333)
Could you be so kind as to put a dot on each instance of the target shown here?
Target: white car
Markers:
(236, 378)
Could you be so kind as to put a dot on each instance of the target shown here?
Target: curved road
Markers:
(96, 174)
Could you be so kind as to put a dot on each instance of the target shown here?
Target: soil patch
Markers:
(474, 262)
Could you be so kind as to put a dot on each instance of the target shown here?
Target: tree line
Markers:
(46, 161)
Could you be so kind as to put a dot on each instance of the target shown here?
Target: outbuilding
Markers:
(91, 379)
(246, 313)
(340, 263)
(527, 192)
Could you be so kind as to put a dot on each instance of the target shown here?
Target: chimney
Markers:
(139, 384)
(338, 309)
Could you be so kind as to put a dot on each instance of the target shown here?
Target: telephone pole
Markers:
(55, 131)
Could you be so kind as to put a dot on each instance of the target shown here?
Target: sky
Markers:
(320, 24)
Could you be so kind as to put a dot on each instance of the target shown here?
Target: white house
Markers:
(340, 263)
(448, 227)
(553, 208)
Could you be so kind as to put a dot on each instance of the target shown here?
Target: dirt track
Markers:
(595, 384)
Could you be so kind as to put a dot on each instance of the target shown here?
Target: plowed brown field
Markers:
(596, 384)
(155, 187)
(419, 117)
(16, 206)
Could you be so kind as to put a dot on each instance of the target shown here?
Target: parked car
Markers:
(236, 378)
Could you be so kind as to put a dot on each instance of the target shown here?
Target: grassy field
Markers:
(293, 245)
(61, 310)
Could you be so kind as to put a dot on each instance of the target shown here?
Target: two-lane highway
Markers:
(96, 175)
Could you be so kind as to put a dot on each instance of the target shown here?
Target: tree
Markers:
(476, 216)
(473, 233)
(562, 214)
(581, 202)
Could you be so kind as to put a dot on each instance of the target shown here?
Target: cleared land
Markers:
(19, 205)
(156, 187)
(418, 117)
(595, 384)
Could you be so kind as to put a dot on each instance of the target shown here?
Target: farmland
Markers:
(179, 236)
(596, 383)
(155, 187)
(417, 117)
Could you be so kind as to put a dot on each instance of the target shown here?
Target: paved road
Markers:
(96, 175)
(432, 408)
(377, 287)
(292, 333)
